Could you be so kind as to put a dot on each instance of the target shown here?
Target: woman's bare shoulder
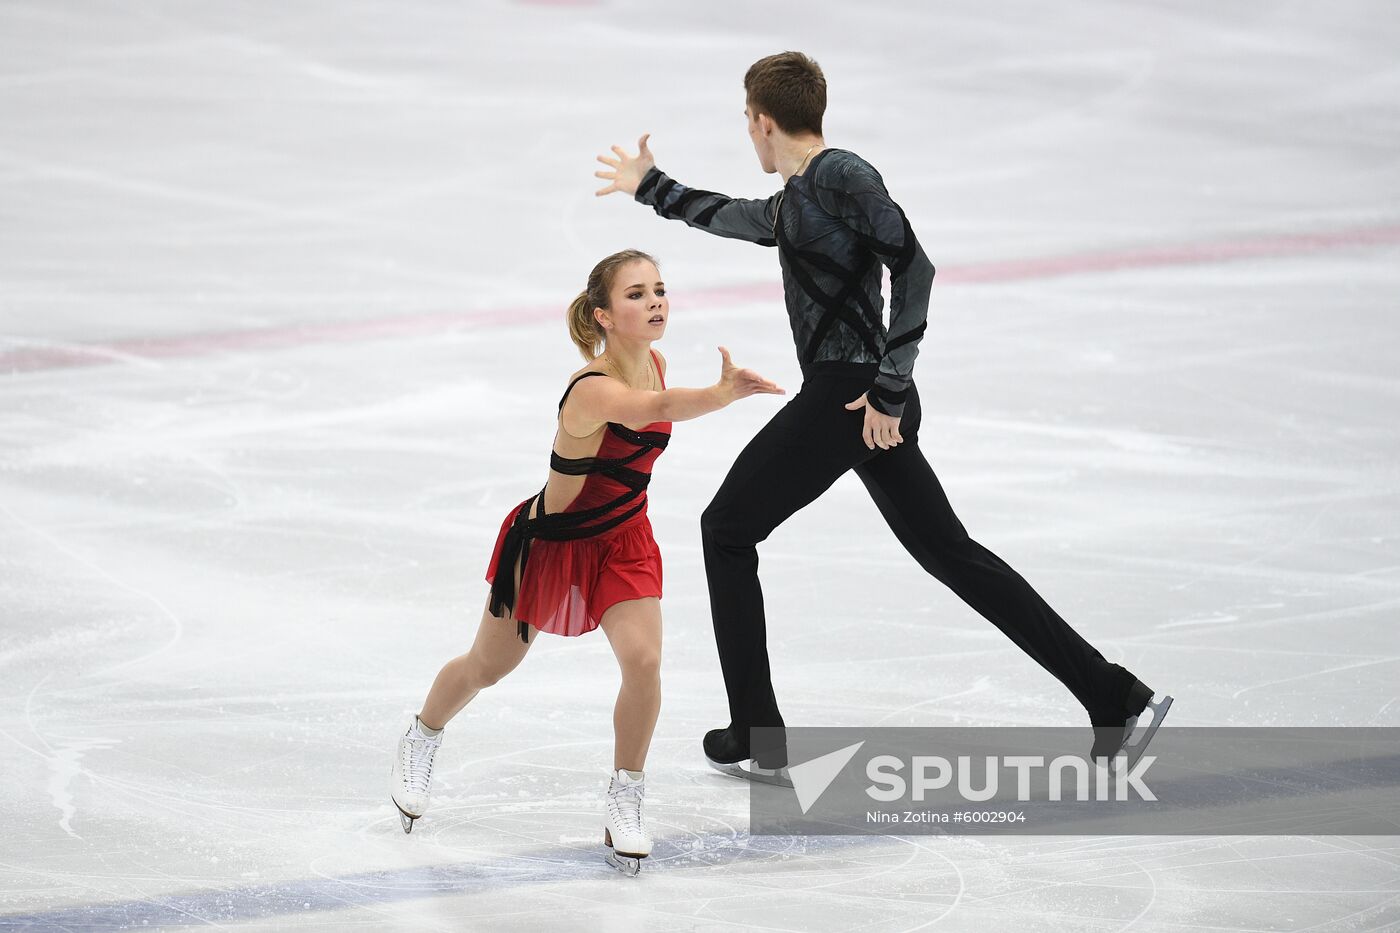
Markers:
(590, 367)
(567, 412)
(577, 383)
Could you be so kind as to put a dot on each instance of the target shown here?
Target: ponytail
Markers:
(584, 329)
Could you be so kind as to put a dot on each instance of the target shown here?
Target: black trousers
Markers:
(807, 445)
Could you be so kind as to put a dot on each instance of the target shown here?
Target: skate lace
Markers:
(418, 763)
(626, 806)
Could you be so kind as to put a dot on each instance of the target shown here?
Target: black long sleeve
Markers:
(863, 204)
(739, 218)
(834, 226)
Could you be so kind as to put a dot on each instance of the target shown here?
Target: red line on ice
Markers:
(37, 358)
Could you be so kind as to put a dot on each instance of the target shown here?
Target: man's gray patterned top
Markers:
(833, 225)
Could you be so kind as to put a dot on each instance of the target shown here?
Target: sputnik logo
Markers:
(811, 778)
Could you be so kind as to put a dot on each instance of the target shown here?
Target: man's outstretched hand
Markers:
(627, 171)
(880, 429)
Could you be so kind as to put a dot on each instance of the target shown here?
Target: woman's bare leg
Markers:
(633, 628)
(494, 654)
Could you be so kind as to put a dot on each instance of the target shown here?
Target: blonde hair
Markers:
(585, 331)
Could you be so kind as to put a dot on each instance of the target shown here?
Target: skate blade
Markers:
(629, 865)
(406, 820)
(750, 771)
(1136, 743)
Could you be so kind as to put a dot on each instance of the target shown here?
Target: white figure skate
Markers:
(624, 832)
(411, 778)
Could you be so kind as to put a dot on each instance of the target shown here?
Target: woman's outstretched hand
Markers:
(627, 171)
(738, 383)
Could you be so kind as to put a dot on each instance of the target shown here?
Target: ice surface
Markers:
(281, 294)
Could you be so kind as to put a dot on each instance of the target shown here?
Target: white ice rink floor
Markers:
(281, 298)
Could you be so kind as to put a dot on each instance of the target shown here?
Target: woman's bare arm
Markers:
(600, 400)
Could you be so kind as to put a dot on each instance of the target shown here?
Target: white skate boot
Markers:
(411, 779)
(624, 833)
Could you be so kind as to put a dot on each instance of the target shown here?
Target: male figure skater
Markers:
(834, 223)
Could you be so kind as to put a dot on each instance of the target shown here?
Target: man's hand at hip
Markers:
(880, 429)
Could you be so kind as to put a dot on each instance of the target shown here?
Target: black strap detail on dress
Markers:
(574, 382)
(582, 466)
(571, 526)
(646, 441)
(657, 439)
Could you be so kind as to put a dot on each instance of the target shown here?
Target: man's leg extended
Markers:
(788, 464)
(913, 503)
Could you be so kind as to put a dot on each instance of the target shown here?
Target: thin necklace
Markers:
(651, 381)
(779, 204)
(804, 159)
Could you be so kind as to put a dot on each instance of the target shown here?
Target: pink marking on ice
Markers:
(1149, 257)
(29, 359)
(39, 358)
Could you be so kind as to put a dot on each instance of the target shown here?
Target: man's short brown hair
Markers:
(791, 89)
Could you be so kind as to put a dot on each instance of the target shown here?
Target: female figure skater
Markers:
(579, 554)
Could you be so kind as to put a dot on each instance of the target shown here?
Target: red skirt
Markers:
(568, 585)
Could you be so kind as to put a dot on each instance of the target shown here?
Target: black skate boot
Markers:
(728, 752)
(1125, 733)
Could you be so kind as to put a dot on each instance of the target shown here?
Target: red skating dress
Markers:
(577, 563)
